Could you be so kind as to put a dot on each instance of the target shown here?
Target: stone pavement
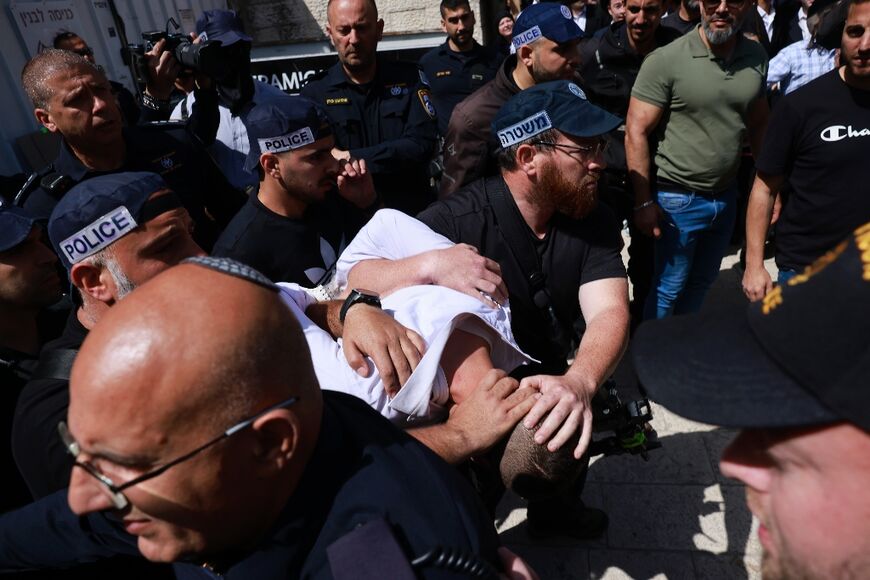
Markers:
(672, 517)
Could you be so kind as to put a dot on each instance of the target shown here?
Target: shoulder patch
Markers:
(426, 101)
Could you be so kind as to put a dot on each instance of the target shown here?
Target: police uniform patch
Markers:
(396, 91)
(282, 143)
(338, 101)
(443, 73)
(577, 91)
(566, 12)
(426, 101)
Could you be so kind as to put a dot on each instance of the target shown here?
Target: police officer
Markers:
(71, 96)
(460, 66)
(29, 283)
(308, 204)
(380, 111)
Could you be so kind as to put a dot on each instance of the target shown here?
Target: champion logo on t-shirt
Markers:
(99, 234)
(839, 132)
(527, 37)
(525, 129)
(294, 140)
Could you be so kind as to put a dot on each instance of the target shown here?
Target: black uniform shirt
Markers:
(287, 249)
(169, 150)
(389, 122)
(455, 75)
(573, 253)
(43, 403)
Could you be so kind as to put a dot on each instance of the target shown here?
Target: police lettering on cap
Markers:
(99, 211)
(284, 124)
(525, 129)
(545, 20)
(294, 140)
(98, 235)
(559, 105)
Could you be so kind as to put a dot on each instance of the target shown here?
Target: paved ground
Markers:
(672, 517)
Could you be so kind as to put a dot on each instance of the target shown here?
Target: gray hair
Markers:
(43, 66)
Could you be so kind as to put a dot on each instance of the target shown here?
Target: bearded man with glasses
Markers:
(697, 99)
(559, 255)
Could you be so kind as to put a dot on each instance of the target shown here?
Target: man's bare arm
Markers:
(460, 267)
(641, 121)
(756, 280)
(565, 402)
(370, 332)
(489, 413)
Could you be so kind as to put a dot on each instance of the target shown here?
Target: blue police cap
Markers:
(560, 105)
(284, 124)
(15, 226)
(548, 19)
(222, 25)
(99, 211)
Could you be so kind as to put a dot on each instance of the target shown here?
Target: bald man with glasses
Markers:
(202, 431)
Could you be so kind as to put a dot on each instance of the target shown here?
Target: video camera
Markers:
(204, 57)
(629, 423)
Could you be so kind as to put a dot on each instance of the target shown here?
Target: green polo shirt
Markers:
(705, 101)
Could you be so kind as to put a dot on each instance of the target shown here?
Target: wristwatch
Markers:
(359, 296)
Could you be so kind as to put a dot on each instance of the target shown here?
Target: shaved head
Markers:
(236, 341)
(188, 355)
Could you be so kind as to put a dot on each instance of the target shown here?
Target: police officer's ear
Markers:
(44, 118)
(527, 159)
(276, 440)
(94, 281)
(380, 28)
(271, 164)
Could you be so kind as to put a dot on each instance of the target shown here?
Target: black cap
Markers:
(222, 25)
(800, 357)
(15, 226)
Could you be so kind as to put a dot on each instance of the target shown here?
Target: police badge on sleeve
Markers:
(426, 101)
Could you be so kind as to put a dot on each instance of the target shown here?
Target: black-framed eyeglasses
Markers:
(115, 492)
(586, 151)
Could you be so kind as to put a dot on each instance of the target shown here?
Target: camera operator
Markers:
(224, 95)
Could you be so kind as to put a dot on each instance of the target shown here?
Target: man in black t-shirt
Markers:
(817, 140)
(309, 205)
(539, 216)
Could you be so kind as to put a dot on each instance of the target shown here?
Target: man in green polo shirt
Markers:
(695, 99)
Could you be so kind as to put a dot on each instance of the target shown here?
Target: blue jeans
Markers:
(696, 230)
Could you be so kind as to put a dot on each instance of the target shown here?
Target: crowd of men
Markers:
(320, 335)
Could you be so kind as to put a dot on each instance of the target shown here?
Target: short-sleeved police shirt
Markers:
(453, 76)
(573, 253)
(705, 101)
(819, 137)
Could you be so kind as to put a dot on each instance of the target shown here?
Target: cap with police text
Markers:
(99, 211)
(547, 19)
(284, 124)
(798, 358)
(15, 226)
(222, 25)
(560, 105)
